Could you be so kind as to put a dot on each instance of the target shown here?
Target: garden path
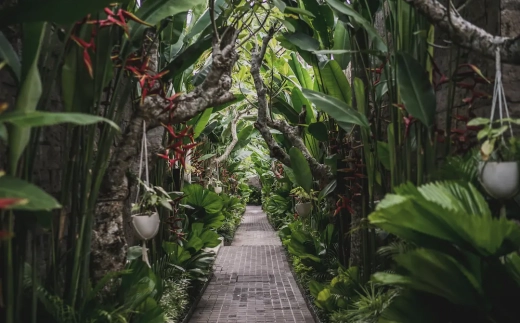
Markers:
(252, 282)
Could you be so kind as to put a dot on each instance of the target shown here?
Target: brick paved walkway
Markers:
(252, 281)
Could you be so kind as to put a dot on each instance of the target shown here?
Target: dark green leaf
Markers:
(383, 154)
(299, 11)
(344, 115)
(42, 118)
(187, 57)
(301, 73)
(37, 199)
(336, 82)
(202, 122)
(244, 137)
(58, 11)
(415, 89)
(347, 9)
(31, 88)
(301, 169)
(302, 41)
(299, 101)
(342, 43)
(327, 190)
(9, 57)
(204, 20)
(285, 109)
(319, 131)
(154, 11)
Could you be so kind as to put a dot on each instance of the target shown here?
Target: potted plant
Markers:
(303, 201)
(146, 220)
(498, 168)
(217, 186)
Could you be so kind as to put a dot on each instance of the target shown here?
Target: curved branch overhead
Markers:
(467, 34)
(264, 121)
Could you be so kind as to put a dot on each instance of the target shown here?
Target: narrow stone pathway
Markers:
(252, 281)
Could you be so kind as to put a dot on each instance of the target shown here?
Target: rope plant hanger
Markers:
(500, 176)
(145, 224)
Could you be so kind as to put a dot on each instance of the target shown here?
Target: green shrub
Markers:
(466, 265)
(175, 299)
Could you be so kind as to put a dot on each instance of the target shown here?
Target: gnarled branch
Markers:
(264, 121)
(467, 34)
(234, 138)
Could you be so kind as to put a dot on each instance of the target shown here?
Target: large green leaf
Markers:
(336, 82)
(202, 122)
(58, 11)
(345, 116)
(449, 211)
(154, 11)
(323, 22)
(9, 57)
(244, 136)
(301, 73)
(37, 199)
(301, 169)
(439, 274)
(415, 89)
(30, 91)
(285, 109)
(299, 101)
(347, 9)
(319, 131)
(187, 57)
(204, 20)
(197, 196)
(341, 43)
(43, 118)
(302, 41)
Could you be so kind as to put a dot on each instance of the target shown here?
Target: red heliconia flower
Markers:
(343, 203)
(147, 79)
(120, 18)
(86, 56)
(7, 202)
(5, 235)
(172, 100)
(407, 124)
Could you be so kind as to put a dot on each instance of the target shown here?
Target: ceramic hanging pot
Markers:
(146, 225)
(500, 179)
(218, 189)
(304, 209)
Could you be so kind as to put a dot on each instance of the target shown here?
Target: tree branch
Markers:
(264, 121)
(234, 137)
(467, 34)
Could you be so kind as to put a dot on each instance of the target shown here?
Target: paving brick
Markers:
(252, 281)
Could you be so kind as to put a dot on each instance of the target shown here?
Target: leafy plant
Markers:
(152, 198)
(302, 196)
(496, 146)
(457, 264)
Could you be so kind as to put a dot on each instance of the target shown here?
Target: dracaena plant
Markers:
(152, 198)
(496, 143)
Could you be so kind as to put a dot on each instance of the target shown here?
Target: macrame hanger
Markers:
(143, 157)
(499, 95)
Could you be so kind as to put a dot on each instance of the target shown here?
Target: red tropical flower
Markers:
(10, 201)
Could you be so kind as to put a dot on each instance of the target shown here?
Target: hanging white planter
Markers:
(500, 179)
(218, 189)
(304, 209)
(146, 225)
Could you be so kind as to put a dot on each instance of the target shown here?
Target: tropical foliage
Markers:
(178, 106)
